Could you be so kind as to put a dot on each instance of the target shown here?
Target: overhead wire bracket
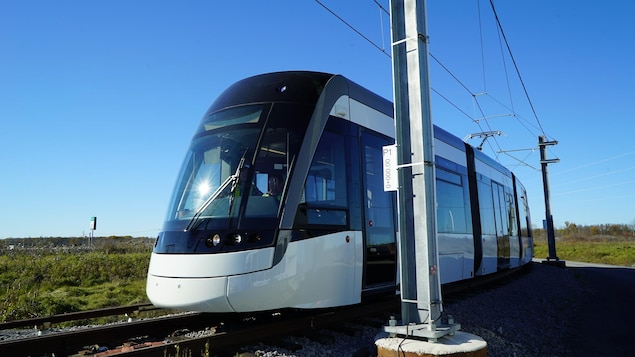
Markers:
(484, 135)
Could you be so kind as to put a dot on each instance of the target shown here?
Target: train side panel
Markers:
(455, 238)
(320, 272)
(498, 221)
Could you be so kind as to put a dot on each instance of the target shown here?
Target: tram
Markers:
(279, 203)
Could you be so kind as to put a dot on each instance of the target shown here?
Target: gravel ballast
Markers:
(528, 314)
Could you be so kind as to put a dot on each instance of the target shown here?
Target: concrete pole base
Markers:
(555, 262)
(461, 344)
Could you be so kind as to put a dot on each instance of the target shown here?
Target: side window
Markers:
(505, 211)
(324, 200)
(453, 214)
(502, 223)
(510, 205)
(486, 207)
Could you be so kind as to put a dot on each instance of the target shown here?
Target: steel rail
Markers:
(218, 342)
(73, 316)
(64, 343)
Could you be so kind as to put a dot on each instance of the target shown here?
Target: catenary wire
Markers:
(480, 33)
(353, 28)
(480, 109)
(500, 28)
(474, 96)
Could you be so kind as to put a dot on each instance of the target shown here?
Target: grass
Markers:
(37, 281)
(603, 250)
(46, 276)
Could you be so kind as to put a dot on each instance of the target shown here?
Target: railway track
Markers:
(129, 310)
(194, 334)
(68, 342)
(167, 336)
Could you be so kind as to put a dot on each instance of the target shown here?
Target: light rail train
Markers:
(280, 203)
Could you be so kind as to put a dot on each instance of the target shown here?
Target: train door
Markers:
(501, 215)
(380, 258)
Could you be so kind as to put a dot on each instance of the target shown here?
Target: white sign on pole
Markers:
(391, 181)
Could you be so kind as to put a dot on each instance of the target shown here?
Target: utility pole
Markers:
(551, 238)
(421, 304)
(421, 331)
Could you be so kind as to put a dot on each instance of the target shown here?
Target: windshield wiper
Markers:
(195, 221)
(235, 182)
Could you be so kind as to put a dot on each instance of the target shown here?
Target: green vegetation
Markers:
(46, 276)
(605, 244)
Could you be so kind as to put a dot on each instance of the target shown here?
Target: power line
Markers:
(480, 109)
(596, 187)
(452, 104)
(474, 96)
(521, 162)
(480, 33)
(353, 28)
(594, 177)
(598, 162)
(381, 7)
(500, 28)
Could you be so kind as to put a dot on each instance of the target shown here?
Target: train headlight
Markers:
(234, 238)
(212, 241)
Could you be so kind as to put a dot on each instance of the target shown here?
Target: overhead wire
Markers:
(474, 95)
(480, 32)
(480, 109)
(509, 90)
(352, 28)
(594, 177)
(596, 187)
(460, 83)
(502, 32)
(451, 103)
(598, 162)
(382, 8)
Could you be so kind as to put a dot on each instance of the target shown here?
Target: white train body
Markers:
(324, 234)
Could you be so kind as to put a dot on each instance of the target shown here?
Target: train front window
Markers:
(212, 178)
(210, 181)
(241, 115)
(214, 184)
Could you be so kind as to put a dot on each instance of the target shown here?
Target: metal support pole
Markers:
(420, 285)
(551, 239)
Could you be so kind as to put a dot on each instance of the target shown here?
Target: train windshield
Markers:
(237, 164)
(211, 173)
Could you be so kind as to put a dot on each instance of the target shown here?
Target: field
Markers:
(603, 250)
(46, 276)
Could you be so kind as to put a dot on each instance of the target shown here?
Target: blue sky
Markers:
(98, 99)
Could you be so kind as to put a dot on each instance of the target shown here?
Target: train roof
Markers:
(307, 86)
(291, 86)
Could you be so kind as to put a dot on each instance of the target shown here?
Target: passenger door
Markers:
(380, 258)
(501, 212)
